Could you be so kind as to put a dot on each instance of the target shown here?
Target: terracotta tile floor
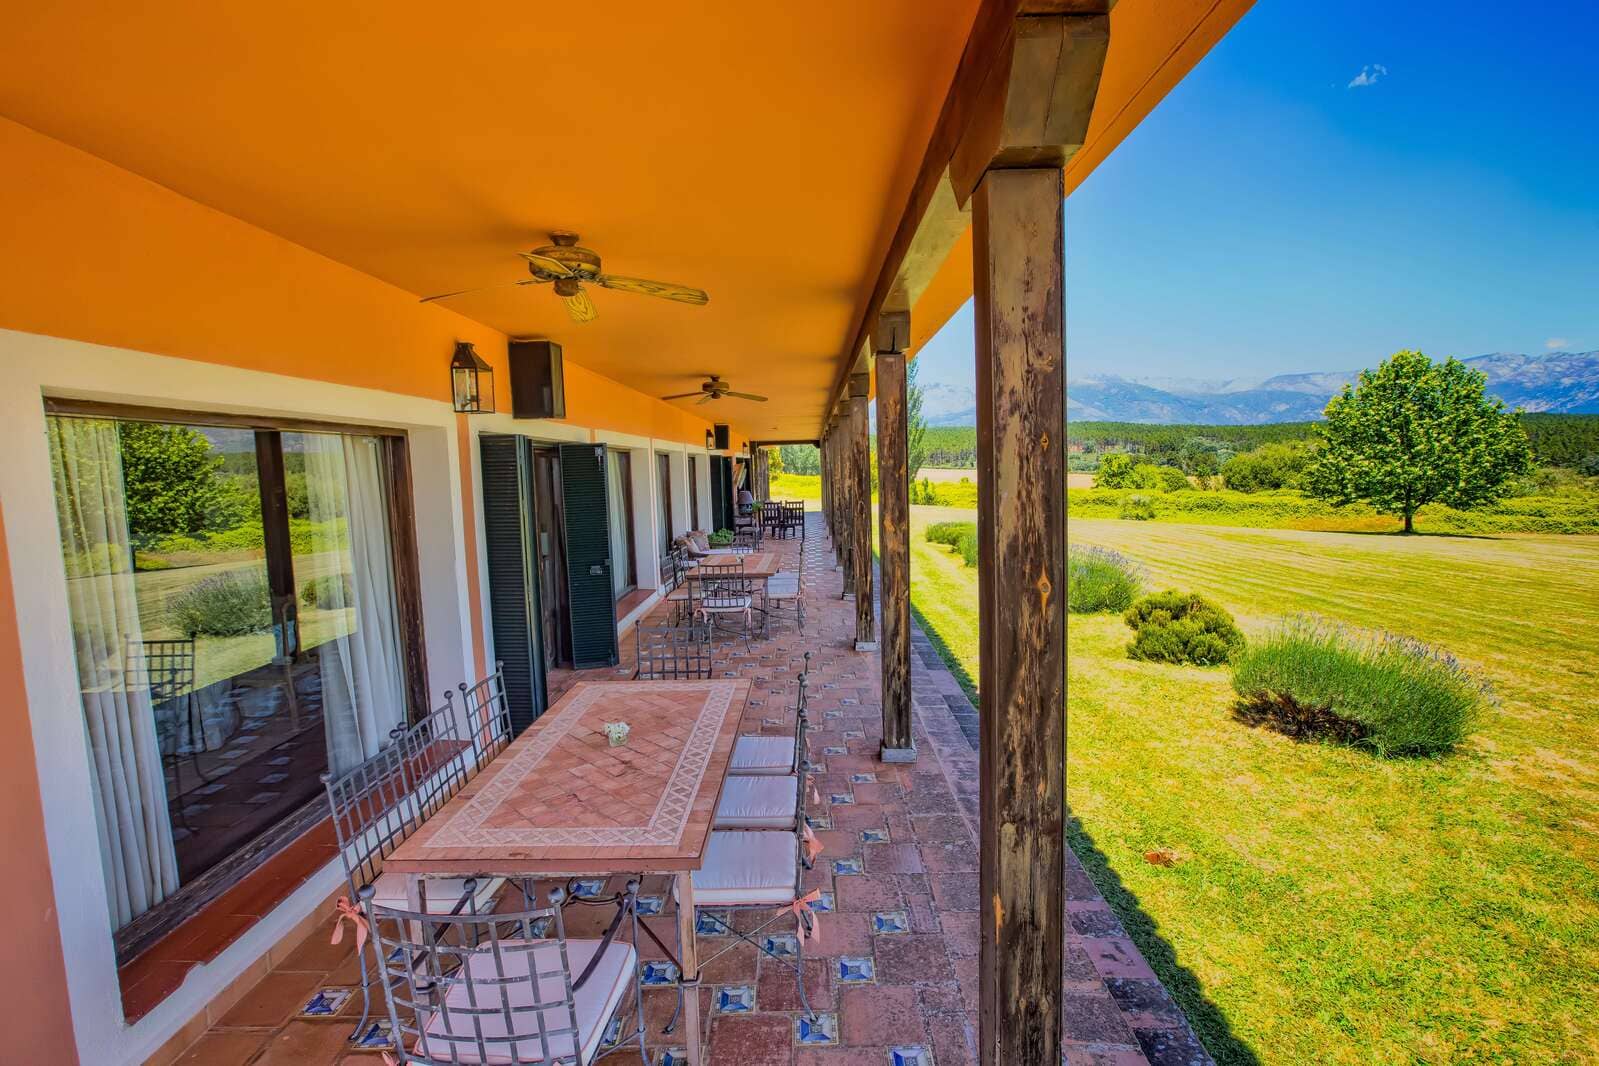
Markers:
(895, 973)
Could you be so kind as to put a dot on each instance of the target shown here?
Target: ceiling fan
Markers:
(568, 268)
(714, 388)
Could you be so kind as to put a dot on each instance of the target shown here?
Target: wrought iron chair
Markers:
(166, 669)
(783, 595)
(746, 539)
(776, 756)
(374, 809)
(673, 653)
(721, 590)
(753, 801)
(460, 990)
(486, 714)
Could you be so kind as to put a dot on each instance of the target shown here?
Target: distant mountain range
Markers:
(1559, 382)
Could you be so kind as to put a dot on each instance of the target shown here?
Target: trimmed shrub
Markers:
(1395, 695)
(1137, 508)
(1182, 627)
(1098, 579)
(967, 547)
(330, 591)
(720, 539)
(949, 533)
(223, 605)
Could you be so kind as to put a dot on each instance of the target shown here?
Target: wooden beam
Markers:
(860, 516)
(1021, 479)
(981, 109)
(894, 534)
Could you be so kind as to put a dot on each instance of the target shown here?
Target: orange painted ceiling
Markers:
(759, 151)
(763, 152)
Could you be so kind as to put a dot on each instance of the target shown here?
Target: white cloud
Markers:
(1368, 76)
(1554, 344)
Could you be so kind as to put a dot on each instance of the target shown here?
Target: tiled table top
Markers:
(561, 799)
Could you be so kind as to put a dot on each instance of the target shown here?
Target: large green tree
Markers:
(1414, 432)
(916, 424)
(173, 484)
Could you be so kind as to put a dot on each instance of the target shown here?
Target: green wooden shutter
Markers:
(513, 574)
(590, 595)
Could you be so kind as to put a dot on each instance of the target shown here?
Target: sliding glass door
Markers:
(238, 630)
(624, 564)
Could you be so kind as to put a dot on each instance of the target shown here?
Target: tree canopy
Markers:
(1414, 432)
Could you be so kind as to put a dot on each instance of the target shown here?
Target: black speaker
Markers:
(538, 389)
(723, 437)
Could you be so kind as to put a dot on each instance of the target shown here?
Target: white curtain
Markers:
(127, 779)
(363, 680)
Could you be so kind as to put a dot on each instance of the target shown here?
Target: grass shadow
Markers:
(1207, 1019)
(951, 661)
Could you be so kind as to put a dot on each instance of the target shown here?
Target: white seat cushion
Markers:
(595, 1002)
(442, 892)
(743, 868)
(758, 802)
(782, 587)
(763, 755)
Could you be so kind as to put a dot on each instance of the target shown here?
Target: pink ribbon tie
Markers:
(801, 907)
(345, 911)
(813, 847)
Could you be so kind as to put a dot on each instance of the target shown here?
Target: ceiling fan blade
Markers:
(580, 307)
(685, 395)
(665, 290)
(484, 288)
(709, 396)
(745, 396)
(548, 265)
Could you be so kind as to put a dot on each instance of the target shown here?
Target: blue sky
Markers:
(1336, 181)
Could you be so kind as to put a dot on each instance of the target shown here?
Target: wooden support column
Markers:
(859, 433)
(1031, 116)
(894, 534)
(1021, 481)
(844, 536)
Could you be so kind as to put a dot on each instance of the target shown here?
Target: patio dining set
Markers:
(469, 851)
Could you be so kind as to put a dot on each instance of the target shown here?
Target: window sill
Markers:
(155, 973)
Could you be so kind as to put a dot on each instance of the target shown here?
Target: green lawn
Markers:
(1328, 906)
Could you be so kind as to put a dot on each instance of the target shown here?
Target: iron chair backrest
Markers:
(459, 990)
(486, 716)
(373, 812)
(439, 755)
(165, 667)
(746, 539)
(673, 653)
(721, 586)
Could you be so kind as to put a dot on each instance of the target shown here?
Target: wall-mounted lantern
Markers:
(710, 441)
(471, 381)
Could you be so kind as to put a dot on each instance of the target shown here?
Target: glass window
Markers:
(236, 626)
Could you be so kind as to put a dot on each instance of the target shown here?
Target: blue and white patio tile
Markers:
(841, 799)
(856, 969)
(376, 1036)
(326, 1002)
(835, 749)
(594, 886)
(613, 1032)
(847, 867)
(824, 903)
(713, 923)
(909, 1056)
(649, 906)
(820, 821)
(657, 973)
(863, 779)
(854, 734)
(673, 1056)
(887, 922)
(816, 1030)
(782, 945)
(735, 999)
(874, 836)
